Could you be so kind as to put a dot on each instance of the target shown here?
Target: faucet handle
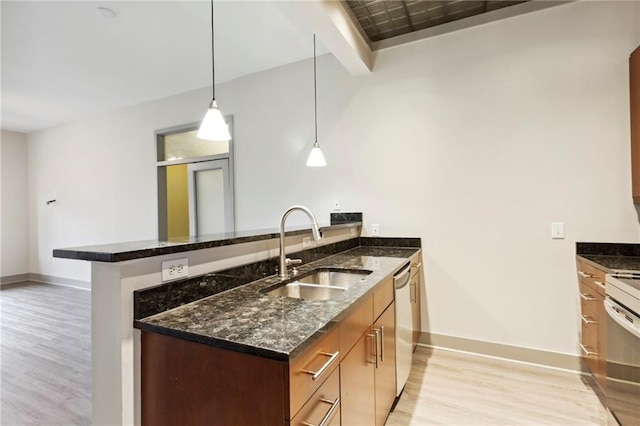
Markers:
(294, 261)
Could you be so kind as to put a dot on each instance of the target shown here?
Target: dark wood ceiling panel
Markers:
(383, 19)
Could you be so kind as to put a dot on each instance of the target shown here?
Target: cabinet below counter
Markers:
(244, 357)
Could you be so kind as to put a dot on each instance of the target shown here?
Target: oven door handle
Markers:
(611, 308)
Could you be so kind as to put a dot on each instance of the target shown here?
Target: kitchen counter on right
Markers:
(613, 257)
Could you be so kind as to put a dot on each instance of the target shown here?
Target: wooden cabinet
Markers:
(346, 377)
(634, 104)
(593, 338)
(190, 383)
(385, 371)
(416, 286)
(357, 380)
(368, 370)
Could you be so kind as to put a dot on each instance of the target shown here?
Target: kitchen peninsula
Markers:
(122, 269)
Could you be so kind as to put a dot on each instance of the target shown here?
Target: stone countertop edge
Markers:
(613, 264)
(120, 252)
(287, 326)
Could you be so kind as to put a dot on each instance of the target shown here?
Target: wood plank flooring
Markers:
(453, 388)
(45, 355)
(46, 374)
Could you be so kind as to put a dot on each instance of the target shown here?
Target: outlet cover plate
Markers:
(174, 269)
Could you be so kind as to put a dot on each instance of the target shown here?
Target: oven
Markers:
(622, 389)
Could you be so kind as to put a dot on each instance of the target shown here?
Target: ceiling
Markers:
(62, 61)
(383, 19)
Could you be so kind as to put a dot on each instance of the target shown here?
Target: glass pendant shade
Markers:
(316, 158)
(213, 127)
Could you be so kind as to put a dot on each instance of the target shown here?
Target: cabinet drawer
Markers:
(589, 299)
(382, 297)
(311, 368)
(589, 335)
(355, 325)
(591, 276)
(323, 405)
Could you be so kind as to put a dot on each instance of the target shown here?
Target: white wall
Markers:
(14, 259)
(475, 141)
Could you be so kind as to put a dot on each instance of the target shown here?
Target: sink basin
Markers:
(333, 277)
(319, 284)
(307, 291)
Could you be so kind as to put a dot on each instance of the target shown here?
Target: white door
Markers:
(211, 208)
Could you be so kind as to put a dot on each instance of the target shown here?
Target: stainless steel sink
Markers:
(333, 277)
(319, 284)
(307, 291)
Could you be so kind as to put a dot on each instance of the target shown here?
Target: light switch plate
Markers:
(375, 229)
(174, 269)
(557, 230)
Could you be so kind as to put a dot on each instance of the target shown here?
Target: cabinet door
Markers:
(634, 93)
(385, 372)
(416, 284)
(357, 383)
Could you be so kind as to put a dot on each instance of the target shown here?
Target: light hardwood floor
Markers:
(45, 355)
(46, 374)
(453, 388)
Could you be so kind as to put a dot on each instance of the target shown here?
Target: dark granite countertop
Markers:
(119, 252)
(613, 257)
(247, 320)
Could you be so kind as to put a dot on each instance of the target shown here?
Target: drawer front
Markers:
(355, 325)
(311, 368)
(589, 335)
(589, 346)
(324, 404)
(382, 297)
(591, 276)
(589, 299)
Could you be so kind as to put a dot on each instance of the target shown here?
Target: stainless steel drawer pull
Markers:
(325, 420)
(417, 265)
(599, 284)
(584, 274)
(375, 345)
(317, 374)
(587, 320)
(587, 297)
(381, 331)
(586, 350)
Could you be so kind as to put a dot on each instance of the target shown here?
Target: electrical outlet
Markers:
(336, 205)
(352, 232)
(174, 269)
(375, 229)
(306, 242)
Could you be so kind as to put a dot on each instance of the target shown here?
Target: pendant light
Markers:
(213, 127)
(316, 159)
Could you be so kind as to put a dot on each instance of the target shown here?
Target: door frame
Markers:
(163, 164)
(192, 169)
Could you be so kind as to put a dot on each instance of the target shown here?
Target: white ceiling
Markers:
(61, 61)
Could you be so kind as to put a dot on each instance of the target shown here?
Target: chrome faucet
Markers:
(315, 230)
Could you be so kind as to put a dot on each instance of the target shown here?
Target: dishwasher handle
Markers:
(401, 279)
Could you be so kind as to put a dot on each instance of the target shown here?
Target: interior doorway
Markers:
(195, 184)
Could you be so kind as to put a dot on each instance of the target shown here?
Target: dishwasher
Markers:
(404, 327)
(623, 348)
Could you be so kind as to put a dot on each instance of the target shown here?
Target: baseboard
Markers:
(10, 279)
(68, 282)
(515, 353)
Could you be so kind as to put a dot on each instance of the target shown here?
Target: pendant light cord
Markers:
(213, 68)
(315, 90)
